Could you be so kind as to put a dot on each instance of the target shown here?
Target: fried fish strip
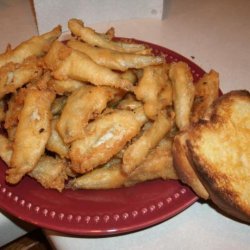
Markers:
(67, 63)
(36, 46)
(104, 138)
(5, 149)
(2, 111)
(183, 92)
(55, 143)
(106, 177)
(158, 164)
(15, 105)
(93, 38)
(136, 153)
(150, 89)
(32, 134)
(206, 91)
(13, 76)
(115, 60)
(83, 105)
(50, 173)
(65, 87)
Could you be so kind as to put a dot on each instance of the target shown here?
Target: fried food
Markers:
(65, 87)
(55, 142)
(14, 75)
(206, 92)
(67, 63)
(158, 164)
(183, 92)
(104, 137)
(150, 90)
(36, 46)
(50, 173)
(93, 38)
(33, 131)
(106, 177)
(82, 106)
(137, 151)
(115, 60)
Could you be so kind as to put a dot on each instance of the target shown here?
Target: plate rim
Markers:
(189, 196)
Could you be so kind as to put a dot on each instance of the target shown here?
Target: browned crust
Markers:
(225, 199)
(184, 168)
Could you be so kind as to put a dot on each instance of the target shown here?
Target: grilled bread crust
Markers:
(219, 152)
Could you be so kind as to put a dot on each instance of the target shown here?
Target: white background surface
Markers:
(217, 34)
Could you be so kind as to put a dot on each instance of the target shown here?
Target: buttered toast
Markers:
(219, 152)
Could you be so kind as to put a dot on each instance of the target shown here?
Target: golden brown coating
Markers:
(183, 92)
(50, 173)
(150, 89)
(82, 106)
(33, 131)
(115, 60)
(36, 46)
(157, 164)
(67, 63)
(14, 76)
(93, 38)
(104, 137)
(55, 142)
(206, 92)
(136, 153)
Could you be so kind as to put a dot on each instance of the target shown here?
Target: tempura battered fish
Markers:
(206, 92)
(150, 90)
(104, 137)
(14, 76)
(136, 153)
(67, 63)
(36, 46)
(183, 92)
(32, 134)
(83, 105)
(106, 177)
(55, 142)
(115, 60)
(93, 38)
(50, 172)
(158, 164)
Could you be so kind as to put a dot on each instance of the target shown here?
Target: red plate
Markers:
(99, 212)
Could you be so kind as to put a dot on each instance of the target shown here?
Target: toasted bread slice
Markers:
(183, 166)
(220, 153)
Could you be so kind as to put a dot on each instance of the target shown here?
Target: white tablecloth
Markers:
(217, 35)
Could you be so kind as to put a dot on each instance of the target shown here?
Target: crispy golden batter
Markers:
(50, 173)
(93, 38)
(32, 133)
(82, 106)
(183, 92)
(67, 63)
(65, 87)
(36, 46)
(206, 92)
(106, 177)
(115, 60)
(104, 138)
(149, 90)
(14, 76)
(55, 143)
(158, 164)
(138, 151)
